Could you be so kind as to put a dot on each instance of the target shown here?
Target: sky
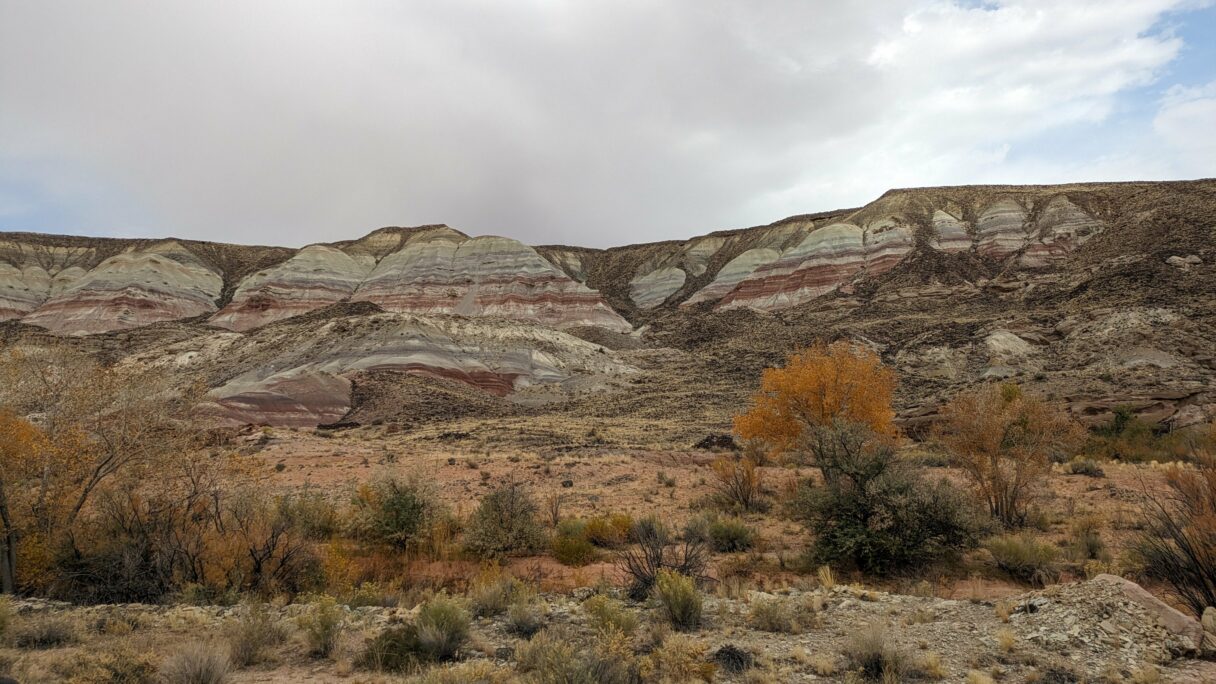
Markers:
(583, 122)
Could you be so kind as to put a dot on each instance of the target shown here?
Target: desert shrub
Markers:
(493, 591)
(253, 634)
(1085, 466)
(1178, 544)
(608, 531)
(196, 663)
(737, 483)
(679, 599)
(322, 626)
(572, 551)
(1087, 541)
(551, 658)
(842, 381)
(608, 614)
(875, 512)
(678, 659)
(724, 535)
(656, 550)
(773, 615)
(526, 617)
(310, 512)
(396, 512)
(45, 631)
(1004, 441)
(1024, 557)
(873, 654)
(505, 524)
(441, 628)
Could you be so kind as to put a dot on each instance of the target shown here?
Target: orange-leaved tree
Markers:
(22, 445)
(826, 383)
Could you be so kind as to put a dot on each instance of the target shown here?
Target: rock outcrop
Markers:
(139, 287)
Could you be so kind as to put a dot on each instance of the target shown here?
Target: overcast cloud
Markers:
(577, 122)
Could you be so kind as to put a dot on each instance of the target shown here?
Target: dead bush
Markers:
(657, 550)
(196, 663)
(1178, 544)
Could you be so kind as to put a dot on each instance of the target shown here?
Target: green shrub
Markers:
(45, 631)
(525, 618)
(572, 551)
(551, 658)
(322, 626)
(1087, 541)
(196, 663)
(679, 598)
(609, 614)
(876, 513)
(873, 653)
(724, 535)
(773, 615)
(395, 512)
(251, 635)
(608, 531)
(441, 628)
(505, 524)
(1024, 558)
(311, 513)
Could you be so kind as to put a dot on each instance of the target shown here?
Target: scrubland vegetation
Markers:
(109, 493)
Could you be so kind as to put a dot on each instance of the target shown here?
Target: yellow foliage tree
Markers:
(21, 446)
(841, 381)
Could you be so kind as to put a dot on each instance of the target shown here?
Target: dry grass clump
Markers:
(252, 635)
(1024, 558)
(608, 531)
(493, 592)
(322, 626)
(874, 655)
(473, 672)
(118, 664)
(572, 550)
(678, 659)
(196, 663)
(526, 617)
(679, 598)
(45, 631)
(552, 657)
(774, 615)
(6, 615)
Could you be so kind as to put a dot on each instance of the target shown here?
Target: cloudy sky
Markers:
(575, 121)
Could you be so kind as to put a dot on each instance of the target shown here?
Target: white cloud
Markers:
(554, 121)
(1185, 123)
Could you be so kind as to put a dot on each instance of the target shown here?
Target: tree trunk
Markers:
(8, 563)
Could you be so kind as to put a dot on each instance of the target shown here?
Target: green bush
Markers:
(322, 626)
(1024, 558)
(311, 513)
(572, 551)
(724, 535)
(875, 512)
(505, 524)
(441, 628)
(527, 617)
(395, 512)
(679, 598)
(1087, 541)
(609, 614)
(494, 592)
(608, 531)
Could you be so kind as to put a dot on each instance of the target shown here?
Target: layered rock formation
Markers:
(445, 272)
(300, 373)
(315, 277)
(651, 289)
(163, 282)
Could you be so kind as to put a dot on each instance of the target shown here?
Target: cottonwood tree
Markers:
(90, 422)
(1005, 441)
(841, 381)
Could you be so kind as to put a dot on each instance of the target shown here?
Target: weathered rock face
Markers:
(163, 282)
(827, 258)
(1061, 228)
(31, 273)
(300, 373)
(733, 273)
(315, 277)
(1000, 229)
(444, 272)
(651, 289)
